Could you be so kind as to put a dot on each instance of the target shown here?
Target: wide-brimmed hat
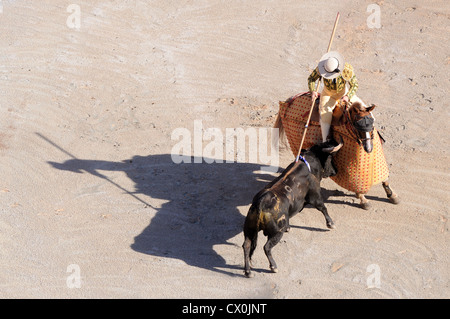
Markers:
(331, 64)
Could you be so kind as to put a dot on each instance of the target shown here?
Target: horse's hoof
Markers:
(249, 274)
(274, 269)
(365, 206)
(394, 199)
(331, 225)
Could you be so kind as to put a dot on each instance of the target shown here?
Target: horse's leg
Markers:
(391, 195)
(364, 203)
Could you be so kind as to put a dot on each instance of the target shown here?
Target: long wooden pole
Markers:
(317, 88)
(332, 34)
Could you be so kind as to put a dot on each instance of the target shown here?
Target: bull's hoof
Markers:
(249, 274)
(394, 199)
(331, 225)
(274, 269)
(365, 205)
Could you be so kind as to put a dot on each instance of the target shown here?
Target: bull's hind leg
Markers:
(391, 195)
(251, 238)
(247, 259)
(271, 242)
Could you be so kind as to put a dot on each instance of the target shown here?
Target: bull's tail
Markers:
(254, 240)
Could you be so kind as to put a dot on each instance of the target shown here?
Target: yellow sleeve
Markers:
(353, 87)
(314, 76)
(349, 75)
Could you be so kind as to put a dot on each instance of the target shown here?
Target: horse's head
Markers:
(362, 121)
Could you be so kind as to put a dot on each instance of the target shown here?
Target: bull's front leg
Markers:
(314, 197)
(321, 206)
(391, 195)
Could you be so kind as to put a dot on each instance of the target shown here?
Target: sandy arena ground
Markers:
(88, 186)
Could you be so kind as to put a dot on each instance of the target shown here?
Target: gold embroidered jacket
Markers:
(337, 84)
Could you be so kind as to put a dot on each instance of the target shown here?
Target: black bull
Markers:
(284, 197)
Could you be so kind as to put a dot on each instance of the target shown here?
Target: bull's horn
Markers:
(334, 149)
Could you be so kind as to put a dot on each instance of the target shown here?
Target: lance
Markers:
(305, 129)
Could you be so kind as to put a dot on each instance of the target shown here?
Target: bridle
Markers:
(351, 126)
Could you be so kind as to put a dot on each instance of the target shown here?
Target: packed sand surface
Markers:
(94, 206)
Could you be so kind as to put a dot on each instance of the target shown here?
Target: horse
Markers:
(360, 162)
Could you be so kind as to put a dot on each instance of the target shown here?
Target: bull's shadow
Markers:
(201, 209)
